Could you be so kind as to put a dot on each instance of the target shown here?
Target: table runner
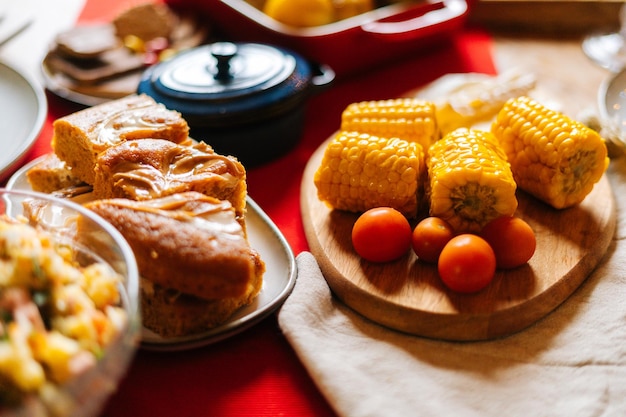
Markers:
(257, 372)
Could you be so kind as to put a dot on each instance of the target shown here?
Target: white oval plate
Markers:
(24, 110)
(278, 281)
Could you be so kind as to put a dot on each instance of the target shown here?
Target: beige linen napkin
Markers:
(571, 363)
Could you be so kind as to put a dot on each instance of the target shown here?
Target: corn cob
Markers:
(410, 119)
(359, 171)
(470, 180)
(554, 158)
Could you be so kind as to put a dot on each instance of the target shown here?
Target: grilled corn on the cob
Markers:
(361, 171)
(410, 119)
(553, 157)
(470, 180)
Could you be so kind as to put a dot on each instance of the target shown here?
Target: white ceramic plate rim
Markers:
(24, 110)
(279, 278)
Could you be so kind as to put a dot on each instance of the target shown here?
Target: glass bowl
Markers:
(91, 239)
(612, 109)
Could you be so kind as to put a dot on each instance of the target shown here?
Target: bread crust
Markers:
(209, 259)
(153, 168)
(50, 175)
(172, 314)
(80, 137)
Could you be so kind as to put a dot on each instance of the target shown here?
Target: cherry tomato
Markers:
(381, 234)
(512, 239)
(429, 237)
(467, 263)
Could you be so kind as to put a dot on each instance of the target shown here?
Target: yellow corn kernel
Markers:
(57, 353)
(470, 180)
(410, 119)
(101, 285)
(80, 328)
(19, 367)
(360, 171)
(554, 158)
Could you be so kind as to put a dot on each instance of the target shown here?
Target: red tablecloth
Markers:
(257, 373)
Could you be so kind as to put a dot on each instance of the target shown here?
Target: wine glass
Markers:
(608, 49)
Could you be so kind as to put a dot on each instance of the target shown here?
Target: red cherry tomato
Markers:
(512, 239)
(429, 237)
(467, 263)
(381, 234)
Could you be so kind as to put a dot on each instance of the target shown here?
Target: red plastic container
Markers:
(349, 46)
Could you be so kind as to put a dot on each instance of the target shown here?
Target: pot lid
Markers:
(229, 80)
(226, 69)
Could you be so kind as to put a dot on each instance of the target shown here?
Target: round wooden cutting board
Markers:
(407, 294)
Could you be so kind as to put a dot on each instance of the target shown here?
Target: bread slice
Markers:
(80, 137)
(92, 72)
(50, 175)
(188, 242)
(87, 41)
(152, 168)
(170, 313)
(196, 264)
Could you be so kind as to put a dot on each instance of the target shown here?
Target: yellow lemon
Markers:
(301, 13)
(348, 8)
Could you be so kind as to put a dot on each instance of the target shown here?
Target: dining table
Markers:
(264, 371)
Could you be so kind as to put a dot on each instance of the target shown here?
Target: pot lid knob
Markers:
(223, 52)
(223, 69)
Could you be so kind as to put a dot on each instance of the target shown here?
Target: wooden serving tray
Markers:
(407, 294)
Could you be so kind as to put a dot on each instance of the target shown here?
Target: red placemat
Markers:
(256, 373)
